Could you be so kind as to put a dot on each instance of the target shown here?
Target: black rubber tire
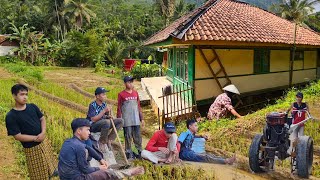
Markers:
(254, 153)
(304, 157)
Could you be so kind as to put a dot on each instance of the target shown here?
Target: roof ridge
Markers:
(299, 25)
(194, 25)
(179, 33)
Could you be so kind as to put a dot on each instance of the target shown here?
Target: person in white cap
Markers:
(223, 104)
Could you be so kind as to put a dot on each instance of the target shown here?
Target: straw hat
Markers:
(231, 88)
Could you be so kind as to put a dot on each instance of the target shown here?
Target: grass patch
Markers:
(171, 172)
(113, 94)
(64, 92)
(29, 73)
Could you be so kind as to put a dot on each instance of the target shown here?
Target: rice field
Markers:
(221, 133)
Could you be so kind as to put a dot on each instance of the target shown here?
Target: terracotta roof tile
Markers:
(236, 21)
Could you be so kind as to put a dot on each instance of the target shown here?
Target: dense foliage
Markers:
(87, 32)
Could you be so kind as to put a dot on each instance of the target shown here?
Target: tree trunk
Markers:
(292, 55)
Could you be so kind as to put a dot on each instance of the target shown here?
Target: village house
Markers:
(228, 41)
(6, 45)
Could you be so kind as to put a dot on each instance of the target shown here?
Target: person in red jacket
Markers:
(163, 146)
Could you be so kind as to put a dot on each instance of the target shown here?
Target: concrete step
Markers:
(144, 97)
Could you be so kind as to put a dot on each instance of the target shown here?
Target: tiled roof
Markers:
(230, 20)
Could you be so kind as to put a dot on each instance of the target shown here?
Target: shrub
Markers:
(27, 72)
(83, 49)
(145, 70)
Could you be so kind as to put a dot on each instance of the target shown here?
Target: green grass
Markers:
(64, 92)
(113, 94)
(29, 73)
(230, 135)
(171, 172)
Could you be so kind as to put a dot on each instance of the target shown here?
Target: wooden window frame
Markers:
(263, 63)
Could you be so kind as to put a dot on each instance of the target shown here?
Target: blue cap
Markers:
(100, 90)
(78, 123)
(128, 78)
(299, 95)
(169, 127)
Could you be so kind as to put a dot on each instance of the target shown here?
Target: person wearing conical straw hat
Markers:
(223, 104)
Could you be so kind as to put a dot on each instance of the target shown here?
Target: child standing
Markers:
(299, 110)
(130, 111)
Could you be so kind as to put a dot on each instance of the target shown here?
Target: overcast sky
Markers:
(318, 7)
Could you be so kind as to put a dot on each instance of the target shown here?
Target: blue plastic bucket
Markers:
(198, 145)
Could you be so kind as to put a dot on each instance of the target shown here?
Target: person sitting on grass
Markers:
(186, 153)
(98, 114)
(163, 146)
(73, 164)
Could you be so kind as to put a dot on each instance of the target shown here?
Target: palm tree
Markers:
(167, 9)
(297, 11)
(78, 11)
(114, 51)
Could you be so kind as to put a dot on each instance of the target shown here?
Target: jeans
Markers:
(132, 133)
(189, 155)
(105, 127)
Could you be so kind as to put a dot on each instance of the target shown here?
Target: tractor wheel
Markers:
(304, 156)
(257, 156)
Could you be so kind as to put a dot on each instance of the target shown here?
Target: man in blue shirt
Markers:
(186, 153)
(99, 116)
(73, 164)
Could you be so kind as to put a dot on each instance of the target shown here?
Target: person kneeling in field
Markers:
(163, 146)
(186, 153)
(73, 164)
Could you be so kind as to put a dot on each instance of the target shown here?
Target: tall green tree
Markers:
(78, 11)
(167, 9)
(297, 11)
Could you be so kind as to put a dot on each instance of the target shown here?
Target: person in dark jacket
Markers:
(73, 164)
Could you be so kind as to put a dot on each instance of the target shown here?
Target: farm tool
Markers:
(275, 143)
(127, 165)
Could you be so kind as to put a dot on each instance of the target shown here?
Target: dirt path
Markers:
(5, 74)
(82, 77)
(225, 172)
(8, 160)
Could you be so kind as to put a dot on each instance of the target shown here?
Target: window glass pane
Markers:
(186, 65)
(181, 64)
(299, 55)
(177, 63)
(261, 61)
(257, 62)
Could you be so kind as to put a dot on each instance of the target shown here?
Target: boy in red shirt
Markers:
(130, 111)
(163, 146)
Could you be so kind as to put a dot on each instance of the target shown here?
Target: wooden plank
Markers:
(180, 97)
(174, 99)
(220, 71)
(184, 98)
(211, 70)
(177, 92)
(213, 60)
(221, 65)
(177, 99)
